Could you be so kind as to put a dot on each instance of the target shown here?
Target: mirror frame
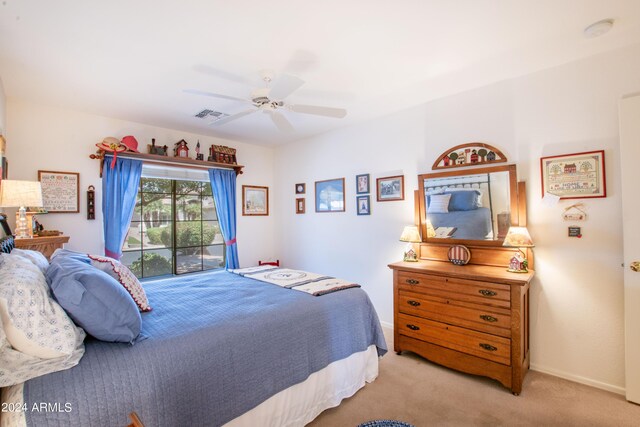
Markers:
(422, 208)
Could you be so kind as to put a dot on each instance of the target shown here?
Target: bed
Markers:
(217, 349)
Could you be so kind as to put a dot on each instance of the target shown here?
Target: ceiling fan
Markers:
(270, 99)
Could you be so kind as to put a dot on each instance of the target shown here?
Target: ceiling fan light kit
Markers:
(269, 99)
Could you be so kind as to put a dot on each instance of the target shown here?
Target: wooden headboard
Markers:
(6, 239)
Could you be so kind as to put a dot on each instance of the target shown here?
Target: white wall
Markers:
(577, 295)
(3, 108)
(50, 138)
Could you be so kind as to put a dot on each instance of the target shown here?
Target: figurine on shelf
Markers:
(199, 156)
(181, 149)
(152, 149)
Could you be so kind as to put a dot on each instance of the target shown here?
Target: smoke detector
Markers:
(598, 28)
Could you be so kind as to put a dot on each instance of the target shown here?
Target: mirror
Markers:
(474, 206)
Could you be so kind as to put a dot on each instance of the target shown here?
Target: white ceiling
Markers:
(131, 59)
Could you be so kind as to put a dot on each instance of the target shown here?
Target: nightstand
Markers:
(47, 245)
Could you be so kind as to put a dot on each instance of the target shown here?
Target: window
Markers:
(174, 229)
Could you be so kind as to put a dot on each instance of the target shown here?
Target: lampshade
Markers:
(518, 237)
(17, 194)
(410, 234)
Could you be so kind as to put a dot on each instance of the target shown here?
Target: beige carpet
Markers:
(416, 391)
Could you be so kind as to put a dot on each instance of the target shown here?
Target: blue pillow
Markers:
(463, 200)
(94, 300)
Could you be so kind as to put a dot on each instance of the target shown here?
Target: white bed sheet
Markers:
(292, 407)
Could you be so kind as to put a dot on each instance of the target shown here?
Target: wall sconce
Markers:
(518, 237)
(410, 235)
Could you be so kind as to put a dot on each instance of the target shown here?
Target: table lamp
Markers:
(20, 194)
(411, 235)
(518, 237)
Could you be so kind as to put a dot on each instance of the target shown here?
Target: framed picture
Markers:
(301, 188)
(574, 176)
(362, 184)
(300, 209)
(330, 195)
(60, 191)
(363, 204)
(255, 200)
(390, 188)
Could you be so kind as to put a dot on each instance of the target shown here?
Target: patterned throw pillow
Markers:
(35, 257)
(122, 274)
(439, 203)
(34, 324)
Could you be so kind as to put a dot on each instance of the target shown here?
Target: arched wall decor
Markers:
(471, 154)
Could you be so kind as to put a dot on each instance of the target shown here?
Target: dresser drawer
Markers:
(478, 344)
(482, 318)
(462, 289)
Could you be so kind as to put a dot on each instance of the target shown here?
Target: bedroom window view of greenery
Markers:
(174, 229)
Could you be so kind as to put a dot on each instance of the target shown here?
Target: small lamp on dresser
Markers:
(20, 194)
(518, 237)
(410, 235)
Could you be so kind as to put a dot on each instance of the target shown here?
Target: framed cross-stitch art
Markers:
(60, 191)
(574, 176)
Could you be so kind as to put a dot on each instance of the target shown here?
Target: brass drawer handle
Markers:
(488, 318)
(413, 327)
(488, 347)
(488, 293)
(413, 281)
(413, 303)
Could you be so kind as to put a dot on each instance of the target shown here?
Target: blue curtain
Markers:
(120, 185)
(223, 186)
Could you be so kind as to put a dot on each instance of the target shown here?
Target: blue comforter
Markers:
(217, 346)
(474, 224)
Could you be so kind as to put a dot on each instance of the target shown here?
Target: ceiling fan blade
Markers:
(284, 86)
(280, 121)
(233, 117)
(215, 95)
(319, 111)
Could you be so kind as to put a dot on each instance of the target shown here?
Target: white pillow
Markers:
(33, 322)
(124, 276)
(37, 258)
(439, 203)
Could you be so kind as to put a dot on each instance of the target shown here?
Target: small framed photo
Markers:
(390, 188)
(255, 200)
(301, 188)
(362, 184)
(300, 209)
(363, 204)
(330, 195)
(574, 176)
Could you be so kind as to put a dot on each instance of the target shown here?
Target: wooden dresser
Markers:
(47, 245)
(473, 318)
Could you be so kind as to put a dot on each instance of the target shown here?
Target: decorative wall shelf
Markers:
(471, 154)
(166, 160)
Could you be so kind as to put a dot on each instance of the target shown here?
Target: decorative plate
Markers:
(459, 255)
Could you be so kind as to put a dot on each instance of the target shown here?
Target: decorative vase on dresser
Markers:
(473, 318)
